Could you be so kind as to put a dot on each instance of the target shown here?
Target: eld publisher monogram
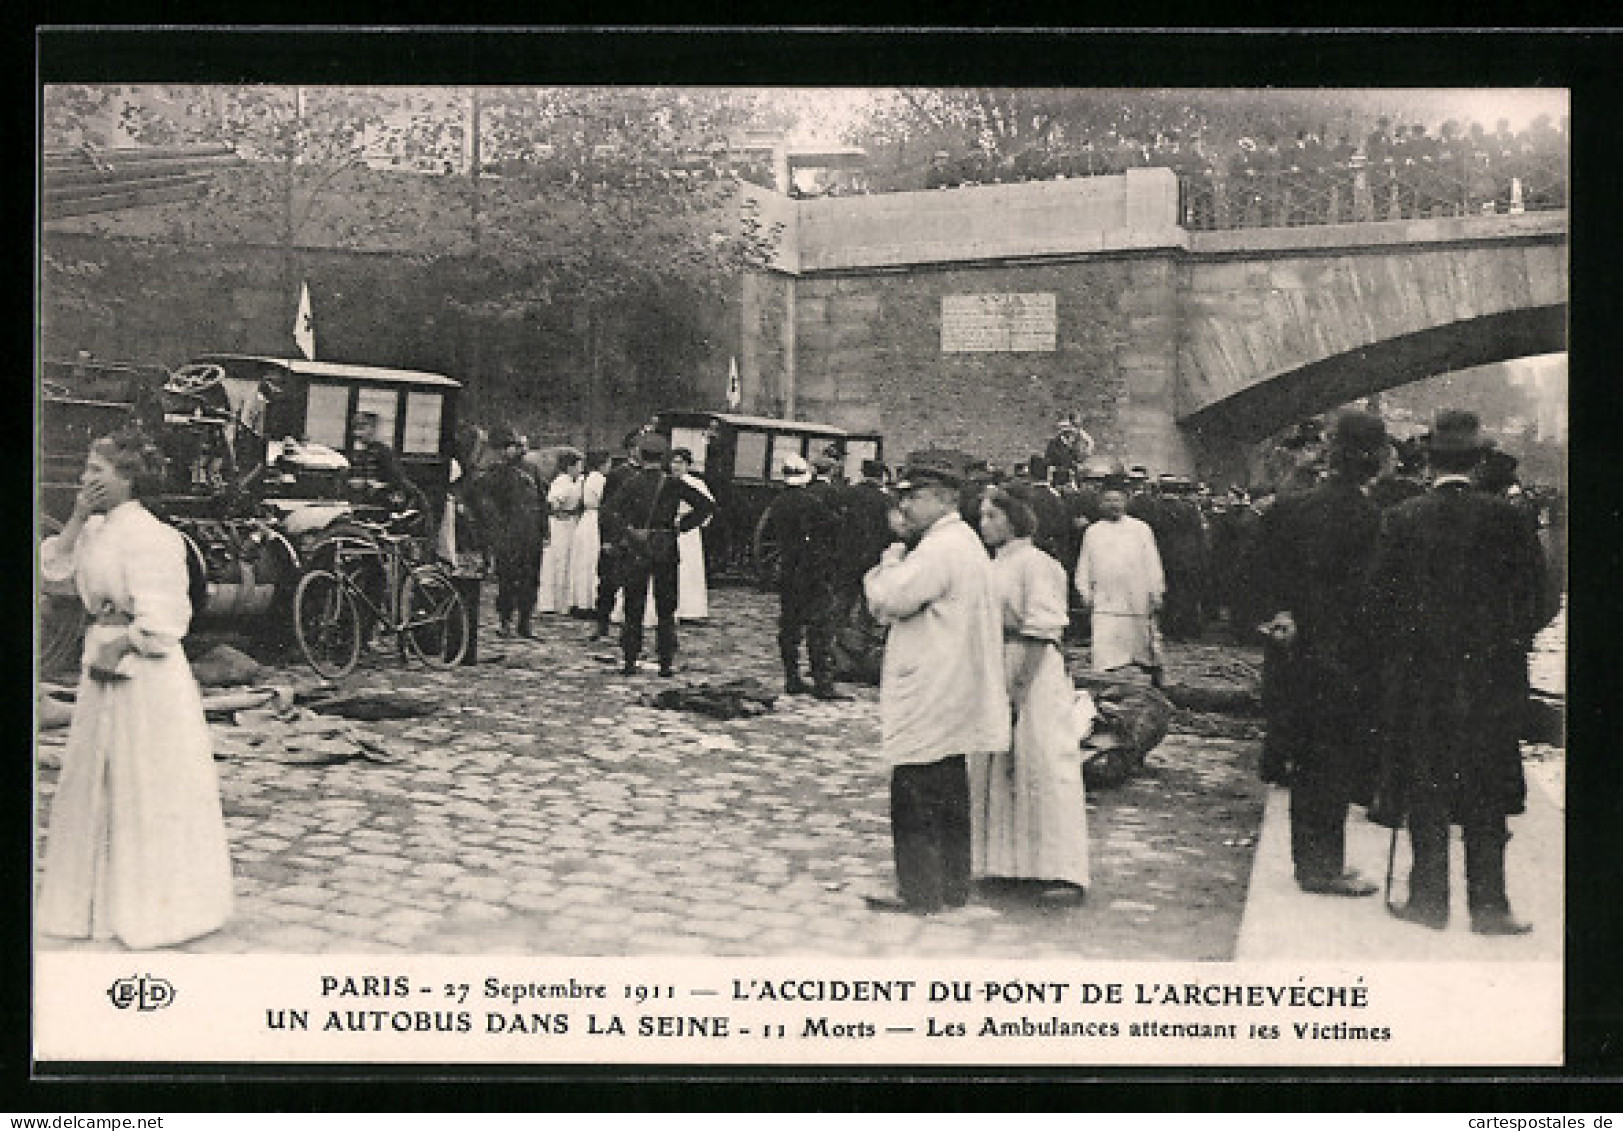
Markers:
(142, 991)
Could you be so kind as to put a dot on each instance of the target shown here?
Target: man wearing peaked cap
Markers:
(644, 512)
(652, 447)
(511, 507)
(1316, 551)
(941, 689)
(611, 529)
(803, 525)
(1457, 594)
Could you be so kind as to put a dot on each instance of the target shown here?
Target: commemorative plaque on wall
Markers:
(998, 323)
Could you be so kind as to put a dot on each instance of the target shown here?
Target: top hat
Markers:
(1455, 431)
(1359, 431)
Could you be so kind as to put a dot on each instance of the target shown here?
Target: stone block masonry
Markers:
(871, 345)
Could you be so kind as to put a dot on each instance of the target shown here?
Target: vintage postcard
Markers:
(557, 574)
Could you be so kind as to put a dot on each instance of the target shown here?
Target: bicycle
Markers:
(340, 600)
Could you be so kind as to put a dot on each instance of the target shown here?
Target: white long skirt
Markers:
(1029, 809)
(692, 596)
(556, 589)
(136, 847)
(583, 555)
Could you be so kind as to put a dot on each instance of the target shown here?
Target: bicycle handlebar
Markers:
(387, 525)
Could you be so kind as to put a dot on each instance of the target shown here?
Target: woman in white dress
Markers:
(136, 849)
(563, 515)
(692, 593)
(588, 538)
(1029, 809)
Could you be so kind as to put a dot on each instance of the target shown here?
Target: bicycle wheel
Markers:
(326, 625)
(434, 621)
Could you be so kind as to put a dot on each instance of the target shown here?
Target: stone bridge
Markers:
(973, 317)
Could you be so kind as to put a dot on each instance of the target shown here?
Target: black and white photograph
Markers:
(910, 574)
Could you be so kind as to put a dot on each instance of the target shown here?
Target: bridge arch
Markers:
(1278, 399)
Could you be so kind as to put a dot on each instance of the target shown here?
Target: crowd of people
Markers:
(1311, 175)
(1396, 603)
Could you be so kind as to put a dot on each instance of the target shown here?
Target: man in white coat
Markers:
(941, 689)
(1118, 574)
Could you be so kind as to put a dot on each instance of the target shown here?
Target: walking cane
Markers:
(1391, 861)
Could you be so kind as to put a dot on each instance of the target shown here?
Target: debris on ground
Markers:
(733, 699)
(1133, 717)
(55, 707)
(296, 735)
(224, 704)
(225, 666)
(370, 706)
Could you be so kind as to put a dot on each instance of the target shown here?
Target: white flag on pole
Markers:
(304, 328)
(735, 392)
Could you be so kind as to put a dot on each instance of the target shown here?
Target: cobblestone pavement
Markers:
(545, 810)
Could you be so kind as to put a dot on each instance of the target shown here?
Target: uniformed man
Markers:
(648, 502)
(611, 554)
(511, 508)
(804, 526)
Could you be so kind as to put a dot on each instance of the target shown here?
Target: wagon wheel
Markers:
(768, 565)
(61, 619)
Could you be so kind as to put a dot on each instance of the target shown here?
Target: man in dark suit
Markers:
(511, 507)
(610, 557)
(1456, 596)
(1053, 535)
(1316, 551)
(864, 532)
(805, 525)
(648, 502)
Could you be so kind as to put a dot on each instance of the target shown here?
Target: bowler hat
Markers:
(651, 445)
(1359, 431)
(930, 468)
(1455, 431)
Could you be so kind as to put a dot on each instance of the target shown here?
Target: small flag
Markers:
(735, 392)
(304, 328)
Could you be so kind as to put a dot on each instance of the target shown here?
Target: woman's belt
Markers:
(1012, 634)
(113, 618)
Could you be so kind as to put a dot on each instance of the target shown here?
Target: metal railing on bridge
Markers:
(1360, 191)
